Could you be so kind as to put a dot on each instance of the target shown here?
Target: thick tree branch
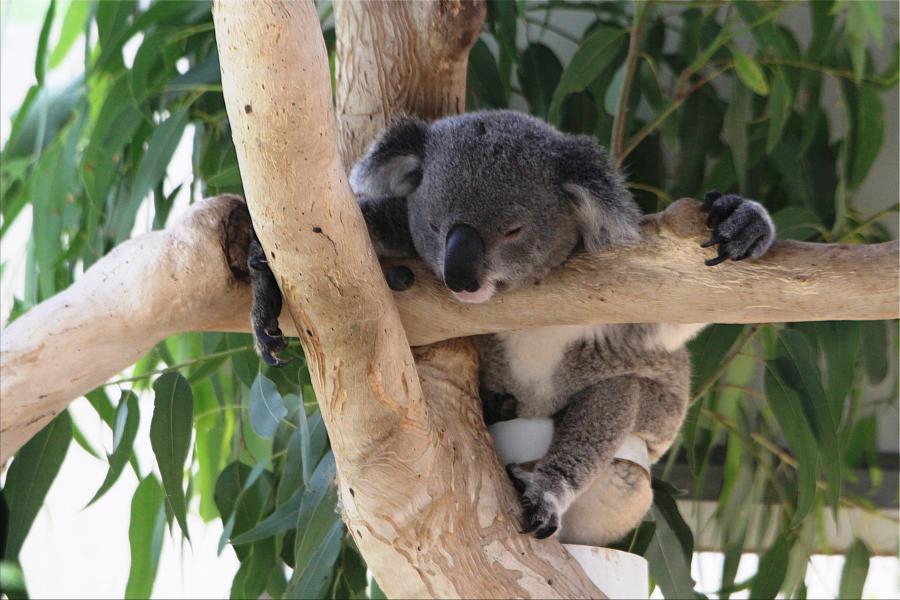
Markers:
(190, 278)
(421, 487)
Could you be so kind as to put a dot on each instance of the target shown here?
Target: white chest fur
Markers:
(534, 356)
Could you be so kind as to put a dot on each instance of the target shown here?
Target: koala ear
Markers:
(606, 212)
(392, 166)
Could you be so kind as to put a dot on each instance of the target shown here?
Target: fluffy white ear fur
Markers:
(602, 226)
(389, 178)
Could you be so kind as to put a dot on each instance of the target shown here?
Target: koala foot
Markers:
(741, 228)
(497, 407)
(269, 342)
(541, 507)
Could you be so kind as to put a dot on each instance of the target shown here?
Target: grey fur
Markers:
(535, 196)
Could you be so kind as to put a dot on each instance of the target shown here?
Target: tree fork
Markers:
(420, 484)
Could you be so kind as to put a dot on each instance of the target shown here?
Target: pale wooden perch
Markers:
(422, 491)
(183, 279)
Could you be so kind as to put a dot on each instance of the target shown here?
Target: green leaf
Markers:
(778, 108)
(596, 52)
(170, 438)
(796, 364)
(145, 537)
(113, 31)
(707, 351)
(875, 350)
(40, 60)
(128, 418)
(664, 502)
(316, 516)
(796, 223)
(749, 71)
(855, 571)
(12, 579)
(151, 170)
(283, 519)
(316, 574)
(29, 478)
(539, 73)
(72, 27)
(841, 341)
(786, 406)
(266, 407)
(668, 566)
(243, 496)
(737, 117)
(614, 91)
(866, 133)
(772, 569)
(483, 78)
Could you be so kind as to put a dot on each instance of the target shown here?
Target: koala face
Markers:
(495, 200)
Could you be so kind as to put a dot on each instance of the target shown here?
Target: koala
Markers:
(493, 201)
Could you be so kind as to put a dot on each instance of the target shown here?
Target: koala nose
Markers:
(462, 259)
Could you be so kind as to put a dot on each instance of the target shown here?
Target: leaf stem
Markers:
(631, 62)
(175, 367)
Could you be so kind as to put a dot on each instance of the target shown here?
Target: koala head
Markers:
(494, 200)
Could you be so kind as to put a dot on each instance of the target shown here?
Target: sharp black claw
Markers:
(258, 262)
(545, 532)
(719, 259)
(715, 239)
(517, 483)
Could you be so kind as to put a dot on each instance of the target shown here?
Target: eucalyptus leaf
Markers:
(30, 476)
(855, 571)
(750, 72)
(170, 438)
(145, 537)
(124, 433)
(266, 407)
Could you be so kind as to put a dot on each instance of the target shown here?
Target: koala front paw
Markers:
(269, 342)
(741, 228)
(541, 507)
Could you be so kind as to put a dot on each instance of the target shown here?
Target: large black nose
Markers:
(462, 259)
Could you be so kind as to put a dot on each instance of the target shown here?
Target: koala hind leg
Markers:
(588, 432)
(266, 306)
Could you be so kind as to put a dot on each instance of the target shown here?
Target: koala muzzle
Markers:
(463, 259)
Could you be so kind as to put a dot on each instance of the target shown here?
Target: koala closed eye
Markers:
(513, 232)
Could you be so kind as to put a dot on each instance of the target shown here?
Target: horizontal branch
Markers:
(188, 278)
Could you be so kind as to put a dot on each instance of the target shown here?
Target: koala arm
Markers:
(588, 431)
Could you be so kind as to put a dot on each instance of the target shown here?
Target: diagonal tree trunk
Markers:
(422, 490)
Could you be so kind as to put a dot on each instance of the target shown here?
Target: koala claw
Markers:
(269, 342)
(540, 507)
(741, 228)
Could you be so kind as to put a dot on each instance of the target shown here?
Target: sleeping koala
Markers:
(493, 201)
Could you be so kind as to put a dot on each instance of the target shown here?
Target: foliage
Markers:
(689, 97)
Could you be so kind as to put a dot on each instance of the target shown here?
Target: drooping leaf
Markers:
(841, 342)
(283, 519)
(145, 537)
(788, 410)
(707, 351)
(778, 108)
(749, 71)
(315, 575)
(30, 476)
(795, 362)
(484, 78)
(855, 571)
(124, 432)
(539, 73)
(592, 57)
(266, 407)
(40, 61)
(737, 118)
(668, 566)
(773, 566)
(316, 516)
(170, 438)
(72, 27)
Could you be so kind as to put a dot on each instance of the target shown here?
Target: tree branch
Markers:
(421, 487)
